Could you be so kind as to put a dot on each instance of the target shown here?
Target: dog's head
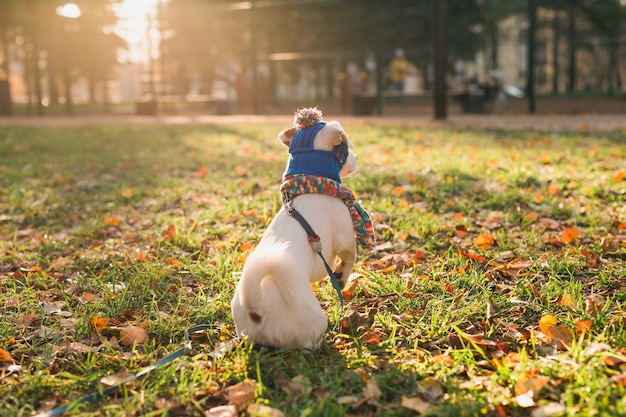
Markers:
(319, 148)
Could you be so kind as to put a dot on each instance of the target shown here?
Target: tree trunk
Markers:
(555, 52)
(571, 81)
(6, 105)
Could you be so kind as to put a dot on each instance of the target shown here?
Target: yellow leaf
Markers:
(567, 300)
(546, 322)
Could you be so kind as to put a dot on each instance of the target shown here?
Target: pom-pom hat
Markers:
(307, 160)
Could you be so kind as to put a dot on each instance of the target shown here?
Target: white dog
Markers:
(273, 304)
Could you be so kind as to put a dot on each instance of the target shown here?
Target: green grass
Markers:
(149, 226)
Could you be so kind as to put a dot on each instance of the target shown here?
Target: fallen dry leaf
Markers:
(5, 356)
(261, 410)
(241, 394)
(546, 321)
(569, 235)
(415, 404)
(98, 324)
(88, 298)
(372, 390)
(484, 241)
(222, 411)
(430, 389)
(133, 335)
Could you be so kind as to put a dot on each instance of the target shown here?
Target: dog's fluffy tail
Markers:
(268, 279)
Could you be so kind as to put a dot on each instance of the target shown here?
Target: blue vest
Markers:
(305, 159)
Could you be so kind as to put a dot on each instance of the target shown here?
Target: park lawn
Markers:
(496, 287)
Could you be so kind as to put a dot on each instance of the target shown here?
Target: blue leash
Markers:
(95, 396)
(316, 245)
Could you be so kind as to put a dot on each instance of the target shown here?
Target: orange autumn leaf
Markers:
(348, 293)
(418, 255)
(240, 171)
(484, 240)
(569, 235)
(371, 338)
(169, 234)
(203, 171)
(446, 286)
(525, 384)
(174, 263)
(583, 325)
(245, 246)
(141, 256)
(553, 189)
(112, 221)
(473, 256)
(399, 190)
(390, 268)
(127, 193)
(98, 324)
(531, 217)
(619, 176)
(5, 356)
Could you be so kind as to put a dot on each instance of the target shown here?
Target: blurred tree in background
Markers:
(581, 43)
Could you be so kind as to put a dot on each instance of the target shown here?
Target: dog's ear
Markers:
(286, 135)
(344, 139)
(338, 135)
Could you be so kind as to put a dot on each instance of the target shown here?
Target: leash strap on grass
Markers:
(95, 396)
(316, 245)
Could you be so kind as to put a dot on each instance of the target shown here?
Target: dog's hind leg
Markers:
(343, 266)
